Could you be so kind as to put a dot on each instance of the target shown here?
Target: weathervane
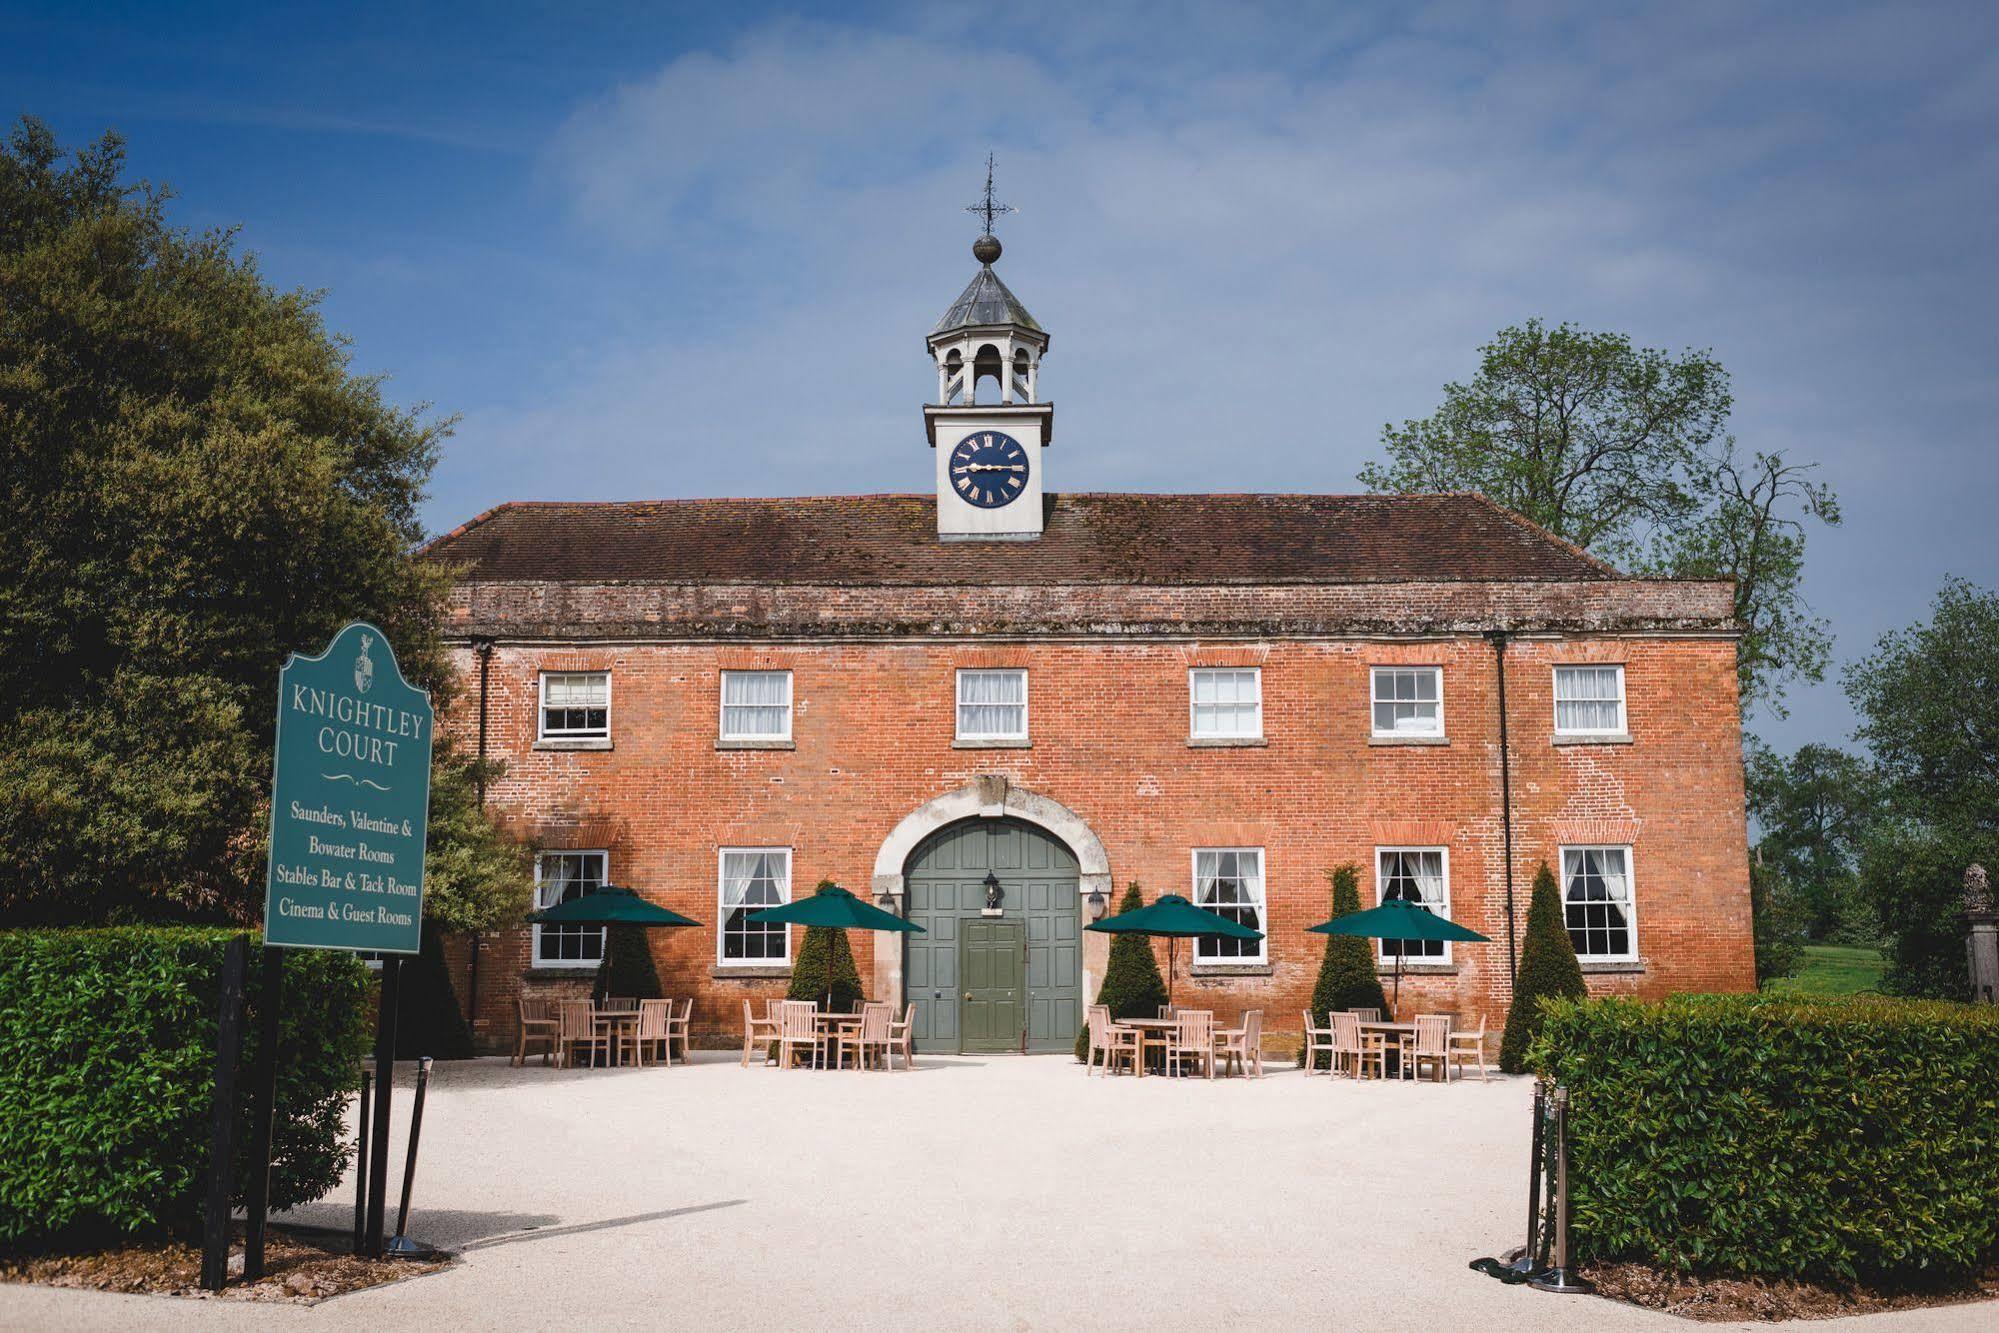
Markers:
(988, 207)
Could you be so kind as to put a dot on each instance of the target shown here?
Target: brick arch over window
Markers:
(993, 797)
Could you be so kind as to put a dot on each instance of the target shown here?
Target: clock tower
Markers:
(988, 428)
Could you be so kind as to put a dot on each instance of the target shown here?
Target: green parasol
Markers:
(1176, 919)
(1397, 920)
(609, 906)
(836, 907)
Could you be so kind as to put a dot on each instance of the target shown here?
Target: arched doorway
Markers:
(988, 976)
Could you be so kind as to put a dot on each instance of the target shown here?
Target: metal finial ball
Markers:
(986, 249)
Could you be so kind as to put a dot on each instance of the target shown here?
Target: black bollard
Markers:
(361, 1165)
(400, 1246)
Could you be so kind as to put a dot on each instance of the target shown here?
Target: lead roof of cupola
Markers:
(985, 302)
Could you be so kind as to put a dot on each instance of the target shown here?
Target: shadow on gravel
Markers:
(524, 1228)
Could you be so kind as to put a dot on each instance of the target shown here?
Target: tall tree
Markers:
(1814, 808)
(1928, 700)
(1348, 977)
(197, 487)
(1623, 450)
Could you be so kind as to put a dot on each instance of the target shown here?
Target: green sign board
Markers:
(349, 800)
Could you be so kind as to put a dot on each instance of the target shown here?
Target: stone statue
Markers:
(1977, 889)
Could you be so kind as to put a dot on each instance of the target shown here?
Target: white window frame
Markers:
(722, 910)
(534, 944)
(541, 731)
(1194, 732)
(1386, 959)
(1630, 898)
(1374, 671)
(1623, 726)
(1262, 956)
(958, 704)
(722, 706)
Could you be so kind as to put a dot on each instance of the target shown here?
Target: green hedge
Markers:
(107, 1050)
(1847, 1139)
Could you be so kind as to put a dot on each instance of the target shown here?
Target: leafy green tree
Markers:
(197, 487)
(1623, 450)
(1548, 968)
(1132, 986)
(824, 970)
(627, 970)
(1813, 809)
(1348, 978)
(1928, 701)
(1778, 924)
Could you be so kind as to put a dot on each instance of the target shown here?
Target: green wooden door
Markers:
(945, 881)
(992, 960)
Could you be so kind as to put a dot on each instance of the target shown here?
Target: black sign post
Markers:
(264, 1088)
(385, 1073)
(222, 1126)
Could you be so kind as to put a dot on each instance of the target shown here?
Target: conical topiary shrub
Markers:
(1348, 978)
(627, 970)
(1548, 967)
(429, 1019)
(1132, 985)
(825, 968)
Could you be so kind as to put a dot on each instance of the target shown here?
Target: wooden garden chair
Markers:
(618, 1004)
(870, 1038)
(576, 1025)
(1366, 1015)
(1432, 1044)
(1192, 1038)
(1355, 1050)
(649, 1034)
(902, 1038)
(1114, 1042)
(1318, 1041)
(1243, 1046)
(537, 1024)
(798, 1033)
(1465, 1046)
(759, 1033)
(677, 1029)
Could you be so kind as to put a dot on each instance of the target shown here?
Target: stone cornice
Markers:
(536, 610)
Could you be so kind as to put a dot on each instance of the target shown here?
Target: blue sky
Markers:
(658, 250)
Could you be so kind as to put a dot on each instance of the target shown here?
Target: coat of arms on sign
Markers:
(364, 670)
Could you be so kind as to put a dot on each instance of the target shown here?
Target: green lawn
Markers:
(1833, 969)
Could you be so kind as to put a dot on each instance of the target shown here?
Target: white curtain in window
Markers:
(752, 881)
(1416, 876)
(992, 703)
(1406, 702)
(756, 703)
(592, 690)
(1229, 882)
(562, 876)
(1226, 703)
(1597, 901)
(1589, 698)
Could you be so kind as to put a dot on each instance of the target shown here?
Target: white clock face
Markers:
(989, 469)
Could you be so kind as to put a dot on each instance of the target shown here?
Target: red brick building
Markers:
(992, 707)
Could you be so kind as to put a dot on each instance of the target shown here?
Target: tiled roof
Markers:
(985, 301)
(1089, 539)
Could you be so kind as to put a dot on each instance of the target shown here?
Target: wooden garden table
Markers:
(606, 1020)
(1399, 1035)
(1151, 1036)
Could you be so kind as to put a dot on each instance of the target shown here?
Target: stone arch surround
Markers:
(991, 796)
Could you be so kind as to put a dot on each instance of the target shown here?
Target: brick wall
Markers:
(873, 731)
